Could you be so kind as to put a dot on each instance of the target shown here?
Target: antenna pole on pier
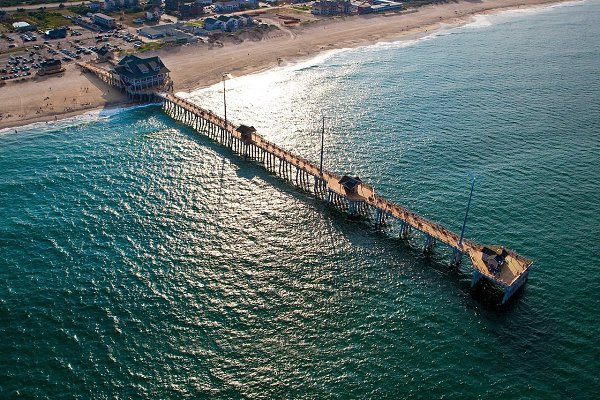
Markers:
(225, 99)
(322, 142)
(462, 231)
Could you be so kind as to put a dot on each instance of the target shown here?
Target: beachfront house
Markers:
(231, 24)
(329, 8)
(325, 8)
(227, 23)
(234, 5)
(244, 20)
(138, 73)
(213, 24)
(378, 6)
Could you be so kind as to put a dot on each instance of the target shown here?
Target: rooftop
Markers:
(134, 67)
(103, 16)
(20, 24)
(349, 183)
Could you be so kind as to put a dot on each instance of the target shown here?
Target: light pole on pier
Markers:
(322, 143)
(224, 76)
(462, 231)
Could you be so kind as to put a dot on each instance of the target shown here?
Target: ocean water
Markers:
(139, 259)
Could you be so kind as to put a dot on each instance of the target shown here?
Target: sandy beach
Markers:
(194, 66)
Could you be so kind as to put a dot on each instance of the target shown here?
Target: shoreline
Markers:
(52, 98)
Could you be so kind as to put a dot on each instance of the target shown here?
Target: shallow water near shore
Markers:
(140, 260)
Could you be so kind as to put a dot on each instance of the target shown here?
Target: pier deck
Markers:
(512, 272)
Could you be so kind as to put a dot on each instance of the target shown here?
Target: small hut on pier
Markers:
(350, 184)
(246, 132)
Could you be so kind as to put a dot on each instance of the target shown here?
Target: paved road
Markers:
(47, 5)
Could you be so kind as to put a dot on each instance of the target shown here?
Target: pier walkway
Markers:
(501, 266)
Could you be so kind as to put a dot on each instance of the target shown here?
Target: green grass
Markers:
(195, 23)
(150, 46)
(127, 19)
(43, 19)
(302, 8)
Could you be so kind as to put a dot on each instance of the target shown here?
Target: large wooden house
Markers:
(141, 73)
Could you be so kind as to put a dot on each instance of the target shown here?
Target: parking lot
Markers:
(22, 53)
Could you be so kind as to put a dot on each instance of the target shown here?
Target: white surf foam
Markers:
(76, 120)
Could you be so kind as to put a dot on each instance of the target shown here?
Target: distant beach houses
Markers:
(183, 33)
(234, 5)
(175, 33)
(228, 23)
(345, 7)
(110, 5)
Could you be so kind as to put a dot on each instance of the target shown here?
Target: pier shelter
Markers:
(246, 132)
(350, 184)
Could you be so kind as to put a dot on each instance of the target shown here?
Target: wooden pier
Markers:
(501, 266)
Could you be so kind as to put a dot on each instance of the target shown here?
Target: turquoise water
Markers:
(140, 260)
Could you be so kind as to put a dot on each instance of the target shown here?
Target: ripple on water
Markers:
(142, 260)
